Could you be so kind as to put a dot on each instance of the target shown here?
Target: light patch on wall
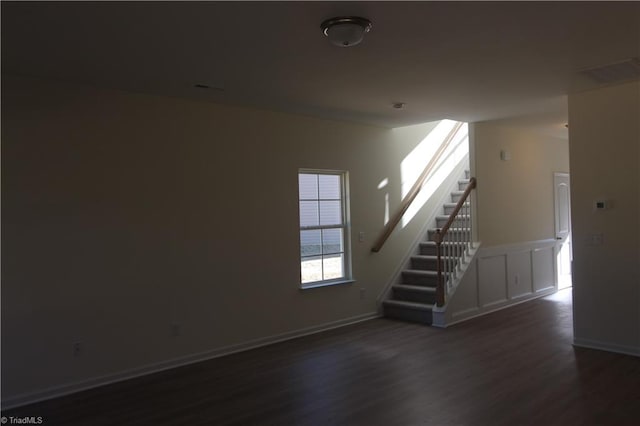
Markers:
(415, 162)
(383, 184)
(386, 208)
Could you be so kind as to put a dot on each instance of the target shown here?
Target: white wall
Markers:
(125, 215)
(605, 163)
(515, 197)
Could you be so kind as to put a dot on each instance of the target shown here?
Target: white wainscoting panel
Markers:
(466, 296)
(544, 264)
(492, 280)
(519, 273)
(502, 276)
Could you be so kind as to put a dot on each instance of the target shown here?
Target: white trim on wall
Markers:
(490, 283)
(609, 347)
(94, 382)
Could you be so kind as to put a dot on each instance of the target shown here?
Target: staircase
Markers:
(414, 296)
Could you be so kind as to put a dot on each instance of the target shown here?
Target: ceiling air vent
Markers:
(620, 71)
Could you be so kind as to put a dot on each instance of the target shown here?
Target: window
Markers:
(324, 229)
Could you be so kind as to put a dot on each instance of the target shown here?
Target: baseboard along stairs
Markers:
(414, 296)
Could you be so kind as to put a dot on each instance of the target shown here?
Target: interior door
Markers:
(562, 205)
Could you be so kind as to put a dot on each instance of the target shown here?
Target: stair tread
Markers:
(420, 272)
(433, 244)
(447, 216)
(420, 288)
(427, 257)
(410, 305)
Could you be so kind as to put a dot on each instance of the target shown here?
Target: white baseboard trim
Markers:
(467, 312)
(70, 388)
(609, 347)
(499, 302)
(488, 309)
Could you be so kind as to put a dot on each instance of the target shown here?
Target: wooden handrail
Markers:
(440, 235)
(415, 189)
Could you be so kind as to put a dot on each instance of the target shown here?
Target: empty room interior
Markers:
(305, 213)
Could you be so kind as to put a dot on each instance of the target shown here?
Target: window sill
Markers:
(325, 284)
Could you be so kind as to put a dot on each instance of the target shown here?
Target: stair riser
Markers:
(432, 264)
(412, 279)
(453, 235)
(430, 250)
(462, 185)
(411, 315)
(425, 264)
(455, 197)
(449, 209)
(414, 296)
(457, 223)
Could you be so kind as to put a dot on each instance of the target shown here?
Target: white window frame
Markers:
(345, 226)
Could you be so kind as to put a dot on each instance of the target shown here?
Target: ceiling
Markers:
(469, 61)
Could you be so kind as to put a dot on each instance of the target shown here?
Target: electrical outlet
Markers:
(77, 349)
(361, 236)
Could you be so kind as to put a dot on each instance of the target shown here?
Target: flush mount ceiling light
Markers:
(346, 31)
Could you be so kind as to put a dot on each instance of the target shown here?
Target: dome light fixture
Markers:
(346, 31)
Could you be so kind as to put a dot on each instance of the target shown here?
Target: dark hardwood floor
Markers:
(513, 367)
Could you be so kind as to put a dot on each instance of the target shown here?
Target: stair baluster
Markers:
(454, 245)
(431, 272)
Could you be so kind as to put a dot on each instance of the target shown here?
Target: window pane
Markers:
(310, 243)
(322, 206)
(330, 213)
(329, 186)
(333, 266)
(308, 213)
(308, 187)
(311, 269)
(332, 241)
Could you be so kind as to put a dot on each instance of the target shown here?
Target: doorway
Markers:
(562, 208)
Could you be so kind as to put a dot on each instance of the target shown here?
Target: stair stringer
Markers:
(442, 316)
(443, 193)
